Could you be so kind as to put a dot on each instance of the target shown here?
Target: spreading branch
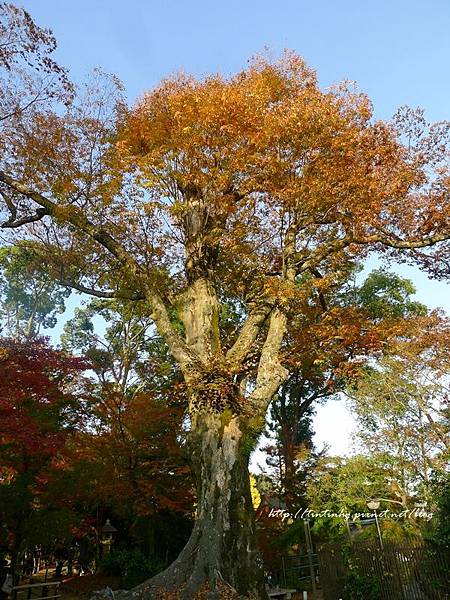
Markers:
(13, 222)
(75, 217)
(271, 373)
(313, 260)
(248, 334)
(101, 293)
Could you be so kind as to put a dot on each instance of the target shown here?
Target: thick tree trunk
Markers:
(221, 552)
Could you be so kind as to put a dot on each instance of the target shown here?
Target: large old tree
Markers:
(225, 206)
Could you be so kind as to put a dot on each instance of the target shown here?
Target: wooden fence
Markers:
(48, 590)
(398, 571)
(298, 568)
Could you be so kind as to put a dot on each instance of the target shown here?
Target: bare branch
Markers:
(100, 293)
(248, 334)
(75, 217)
(271, 373)
(323, 302)
(13, 222)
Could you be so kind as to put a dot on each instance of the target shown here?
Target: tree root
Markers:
(222, 592)
(190, 577)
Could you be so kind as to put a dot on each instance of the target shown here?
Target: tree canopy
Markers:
(228, 207)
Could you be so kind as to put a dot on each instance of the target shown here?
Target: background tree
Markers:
(372, 314)
(440, 493)
(401, 404)
(127, 443)
(344, 485)
(29, 300)
(38, 414)
(291, 455)
(29, 73)
(176, 201)
(140, 457)
(133, 445)
(125, 352)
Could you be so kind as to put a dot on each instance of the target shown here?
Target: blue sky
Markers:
(398, 52)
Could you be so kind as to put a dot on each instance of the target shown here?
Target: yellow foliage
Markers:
(256, 496)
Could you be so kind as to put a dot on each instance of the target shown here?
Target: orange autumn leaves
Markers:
(205, 177)
(268, 140)
(258, 150)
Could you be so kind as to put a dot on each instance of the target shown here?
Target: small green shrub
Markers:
(131, 565)
(362, 587)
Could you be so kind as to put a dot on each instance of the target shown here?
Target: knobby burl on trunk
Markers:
(225, 421)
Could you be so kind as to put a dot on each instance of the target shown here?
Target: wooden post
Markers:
(380, 538)
(349, 531)
(309, 549)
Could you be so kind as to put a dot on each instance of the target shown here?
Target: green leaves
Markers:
(29, 300)
(386, 295)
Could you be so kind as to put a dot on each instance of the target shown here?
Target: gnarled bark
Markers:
(222, 545)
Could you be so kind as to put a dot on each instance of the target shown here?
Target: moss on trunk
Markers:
(222, 547)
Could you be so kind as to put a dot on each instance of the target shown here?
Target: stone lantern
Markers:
(108, 532)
